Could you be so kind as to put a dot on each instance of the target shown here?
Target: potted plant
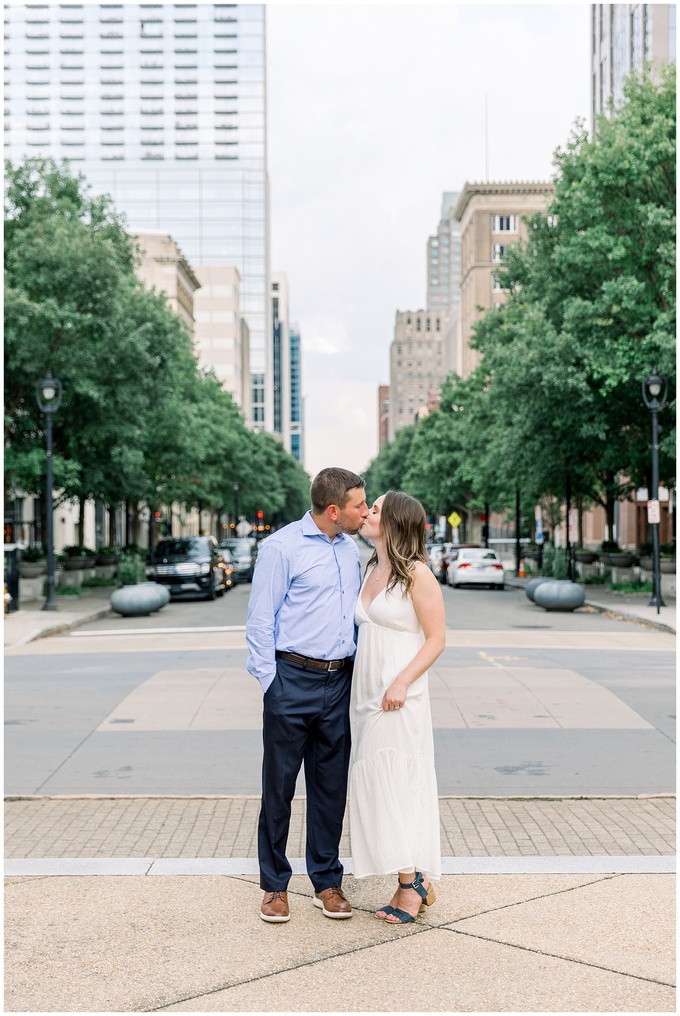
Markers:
(76, 556)
(614, 556)
(33, 562)
(585, 556)
(107, 555)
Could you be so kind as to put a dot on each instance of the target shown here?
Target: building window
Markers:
(499, 251)
(498, 286)
(504, 224)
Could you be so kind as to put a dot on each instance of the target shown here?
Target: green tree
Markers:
(591, 311)
(388, 468)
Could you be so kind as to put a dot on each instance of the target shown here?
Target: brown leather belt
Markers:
(307, 661)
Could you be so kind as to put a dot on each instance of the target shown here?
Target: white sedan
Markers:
(476, 566)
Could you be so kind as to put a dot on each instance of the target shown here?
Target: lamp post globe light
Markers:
(654, 392)
(48, 394)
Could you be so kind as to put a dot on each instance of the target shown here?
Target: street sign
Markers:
(244, 528)
(538, 518)
(573, 525)
(454, 520)
(653, 512)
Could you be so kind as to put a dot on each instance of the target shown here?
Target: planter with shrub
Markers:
(76, 557)
(33, 563)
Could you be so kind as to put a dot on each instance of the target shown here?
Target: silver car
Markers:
(476, 566)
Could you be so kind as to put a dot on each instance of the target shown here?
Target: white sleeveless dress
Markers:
(393, 803)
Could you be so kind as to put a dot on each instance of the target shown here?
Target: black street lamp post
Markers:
(236, 501)
(48, 394)
(654, 392)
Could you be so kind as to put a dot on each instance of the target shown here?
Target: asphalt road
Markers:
(525, 703)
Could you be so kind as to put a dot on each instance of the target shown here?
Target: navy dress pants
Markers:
(306, 720)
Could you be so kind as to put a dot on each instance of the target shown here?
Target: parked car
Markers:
(244, 554)
(435, 554)
(230, 569)
(451, 554)
(476, 566)
(189, 564)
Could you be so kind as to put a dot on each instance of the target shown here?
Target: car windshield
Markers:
(238, 546)
(479, 555)
(187, 548)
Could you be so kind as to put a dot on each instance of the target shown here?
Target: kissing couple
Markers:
(343, 664)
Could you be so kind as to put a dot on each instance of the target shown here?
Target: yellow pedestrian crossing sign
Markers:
(454, 520)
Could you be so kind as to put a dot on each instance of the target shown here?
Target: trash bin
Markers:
(12, 558)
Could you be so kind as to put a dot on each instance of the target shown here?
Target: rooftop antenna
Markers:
(486, 134)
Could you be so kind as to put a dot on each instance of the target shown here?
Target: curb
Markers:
(611, 609)
(57, 628)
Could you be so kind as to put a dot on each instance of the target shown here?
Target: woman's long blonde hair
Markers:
(402, 525)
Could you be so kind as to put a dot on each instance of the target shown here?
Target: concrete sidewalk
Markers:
(32, 622)
(491, 943)
(633, 607)
(569, 902)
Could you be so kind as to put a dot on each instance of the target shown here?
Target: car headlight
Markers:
(205, 568)
(150, 571)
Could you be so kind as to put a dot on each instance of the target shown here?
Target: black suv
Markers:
(189, 564)
(243, 554)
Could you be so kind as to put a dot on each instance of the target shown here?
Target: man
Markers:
(300, 634)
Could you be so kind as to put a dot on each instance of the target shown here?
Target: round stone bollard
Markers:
(139, 600)
(559, 594)
(162, 593)
(533, 585)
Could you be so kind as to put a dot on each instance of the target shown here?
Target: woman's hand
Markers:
(395, 696)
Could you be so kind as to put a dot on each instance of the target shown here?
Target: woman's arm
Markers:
(429, 605)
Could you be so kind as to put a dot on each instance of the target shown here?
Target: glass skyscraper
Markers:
(162, 106)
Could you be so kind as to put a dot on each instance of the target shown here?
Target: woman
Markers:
(394, 811)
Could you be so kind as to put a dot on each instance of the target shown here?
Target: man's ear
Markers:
(333, 511)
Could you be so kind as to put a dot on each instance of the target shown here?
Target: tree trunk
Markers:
(112, 541)
(81, 521)
(134, 521)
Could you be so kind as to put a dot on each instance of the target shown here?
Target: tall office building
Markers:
(418, 366)
(491, 217)
(443, 259)
(624, 37)
(286, 356)
(297, 423)
(162, 106)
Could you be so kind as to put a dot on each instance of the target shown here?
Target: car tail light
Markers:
(464, 565)
(499, 566)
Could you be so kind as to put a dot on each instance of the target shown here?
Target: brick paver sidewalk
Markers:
(227, 827)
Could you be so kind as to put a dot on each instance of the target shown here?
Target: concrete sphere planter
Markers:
(559, 594)
(532, 586)
(32, 569)
(162, 592)
(139, 600)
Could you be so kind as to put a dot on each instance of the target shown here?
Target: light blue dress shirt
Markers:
(305, 588)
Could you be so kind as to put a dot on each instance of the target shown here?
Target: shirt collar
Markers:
(310, 528)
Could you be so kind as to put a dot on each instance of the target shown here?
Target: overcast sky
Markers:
(374, 110)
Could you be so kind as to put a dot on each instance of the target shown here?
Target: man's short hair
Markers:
(332, 485)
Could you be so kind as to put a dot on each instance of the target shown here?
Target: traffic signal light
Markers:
(260, 514)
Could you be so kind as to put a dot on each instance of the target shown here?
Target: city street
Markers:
(524, 703)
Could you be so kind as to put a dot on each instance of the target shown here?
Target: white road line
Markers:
(155, 631)
(519, 865)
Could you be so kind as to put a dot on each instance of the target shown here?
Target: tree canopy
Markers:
(590, 312)
(140, 420)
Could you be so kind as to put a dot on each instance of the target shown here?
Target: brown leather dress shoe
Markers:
(275, 907)
(333, 903)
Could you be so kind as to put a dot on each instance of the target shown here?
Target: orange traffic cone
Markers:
(522, 574)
